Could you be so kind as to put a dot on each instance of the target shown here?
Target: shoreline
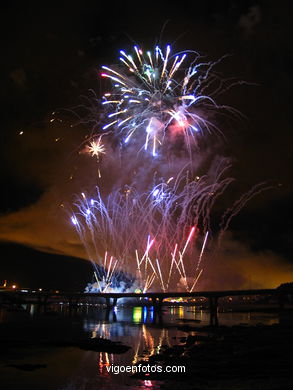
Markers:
(233, 357)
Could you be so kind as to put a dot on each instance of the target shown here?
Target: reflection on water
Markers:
(75, 369)
(135, 326)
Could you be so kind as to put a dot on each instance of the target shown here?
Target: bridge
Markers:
(157, 298)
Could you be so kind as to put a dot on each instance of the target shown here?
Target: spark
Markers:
(202, 249)
(74, 220)
(146, 235)
(188, 239)
(96, 148)
(112, 228)
(156, 89)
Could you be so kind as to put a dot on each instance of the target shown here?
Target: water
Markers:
(69, 368)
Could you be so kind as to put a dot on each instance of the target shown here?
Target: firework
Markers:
(160, 95)
(157, 238)
(96, 148)
(156, 233)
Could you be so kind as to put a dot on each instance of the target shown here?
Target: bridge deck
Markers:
(162, 295)
(159, 295)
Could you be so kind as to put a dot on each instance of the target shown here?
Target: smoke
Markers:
(46, 227)
(237, 266)
(250, 20)
(43, 226)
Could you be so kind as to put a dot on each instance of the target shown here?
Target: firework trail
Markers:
(160, 97)
(96, 148)
(159, 236)
(154, 234)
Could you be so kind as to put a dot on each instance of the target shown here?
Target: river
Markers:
(24, 332)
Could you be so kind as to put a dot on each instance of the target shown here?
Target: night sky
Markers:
(51, 56)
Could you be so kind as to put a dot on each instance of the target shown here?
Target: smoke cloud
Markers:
(46, 227)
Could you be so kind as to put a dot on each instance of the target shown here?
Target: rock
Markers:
(27, 366)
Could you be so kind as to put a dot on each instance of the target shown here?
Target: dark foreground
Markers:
(61, 349)
(239, 357)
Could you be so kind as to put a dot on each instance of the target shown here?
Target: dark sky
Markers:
(51, 56)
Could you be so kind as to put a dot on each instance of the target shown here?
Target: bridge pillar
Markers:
(157, 302)
(111, 303)
(46, 298)
(42, 299)
(157, 313)
(39, 299)
(281, 301)
(154, 302)
(110, 312)
(213, 310)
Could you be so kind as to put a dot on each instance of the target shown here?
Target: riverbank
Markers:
(72, 349)
(238, 358)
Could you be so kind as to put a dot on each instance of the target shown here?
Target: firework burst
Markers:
(159, 95)
(159, 236)
(96, 148)
(156, 233)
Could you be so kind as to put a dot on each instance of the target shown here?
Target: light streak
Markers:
(135, 236)
(113, 231)
(96, 148)
(196, 280)
(202, 249)
(155, 86)
(160, 273)
(188, 239)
